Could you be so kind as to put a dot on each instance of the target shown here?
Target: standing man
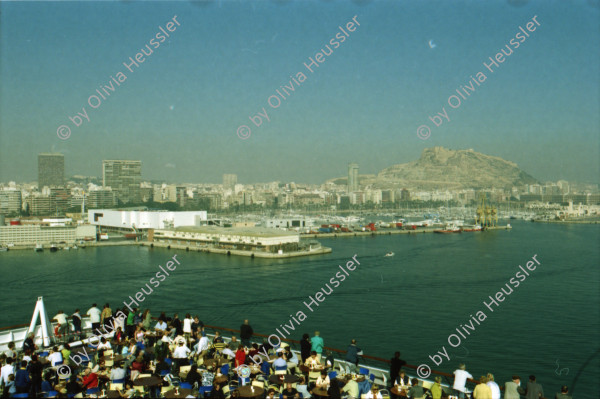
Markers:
(352, 355)
(106, 316)
(130, 326)
(76, 320)
(534, 390)
(460, 380)
(564, 393)
(493, 386)
(512, 389)
(94, 314)
(246, 333)
(63, 327)
(395, 365)
(317, 344)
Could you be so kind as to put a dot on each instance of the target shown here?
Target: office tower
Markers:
(352, 177)
(51, 170)
(10, 202)
(124, 178)
(229, 182)
(100, 199)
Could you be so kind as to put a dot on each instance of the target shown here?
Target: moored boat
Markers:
(470, 228)
(448, 229)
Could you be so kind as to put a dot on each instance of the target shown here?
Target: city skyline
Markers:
(178, 111)
(228, 180)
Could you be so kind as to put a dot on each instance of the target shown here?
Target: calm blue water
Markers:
(411, 302)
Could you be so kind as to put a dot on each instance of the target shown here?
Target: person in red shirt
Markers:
(89, 379)
(138, 364)
(240, 356)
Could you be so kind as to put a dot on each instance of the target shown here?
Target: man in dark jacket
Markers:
(534, 390)
(246, 333)
(352, 354)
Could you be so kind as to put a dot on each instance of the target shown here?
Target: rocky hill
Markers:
(442, 168)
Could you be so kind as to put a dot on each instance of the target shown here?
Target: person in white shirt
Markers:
(313, 360)
(7, 370)
(94, 314)
(187, 327)
(228, 352)
(202, 346)
(55, 357)
(161, 326)
(493, 386)
(402, 380)
(374, 393)
(460, 379)
(61, 318)
(323, 381)
(11, 351)
(118, 373)
(104, 344)
(180, 354)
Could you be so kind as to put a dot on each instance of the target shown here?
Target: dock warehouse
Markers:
(240, 238)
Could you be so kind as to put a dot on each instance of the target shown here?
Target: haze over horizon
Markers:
(179, 110)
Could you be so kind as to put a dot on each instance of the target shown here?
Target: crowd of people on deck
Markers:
(180, 353)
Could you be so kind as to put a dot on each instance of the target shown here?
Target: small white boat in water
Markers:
(390, 254)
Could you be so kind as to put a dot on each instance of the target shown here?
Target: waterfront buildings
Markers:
(51, 170)
(127, 220)
(124, 177)
(237, 238)
(38, 234)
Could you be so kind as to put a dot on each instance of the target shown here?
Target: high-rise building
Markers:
(51, 170)
(101, 199)
(124, 178)
(10, 202)
(229, 181)
(352, 177)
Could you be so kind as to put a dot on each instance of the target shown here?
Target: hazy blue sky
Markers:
(364, 103)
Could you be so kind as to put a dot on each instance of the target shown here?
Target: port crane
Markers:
(486, 215)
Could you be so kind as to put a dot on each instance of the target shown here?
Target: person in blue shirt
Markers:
(317, 344)
(10, 385)
(22, 380)
(280, 363)
(46, 384)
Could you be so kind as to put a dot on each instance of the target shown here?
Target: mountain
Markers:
(440, 168)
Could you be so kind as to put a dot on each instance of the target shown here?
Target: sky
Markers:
(179, 111)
